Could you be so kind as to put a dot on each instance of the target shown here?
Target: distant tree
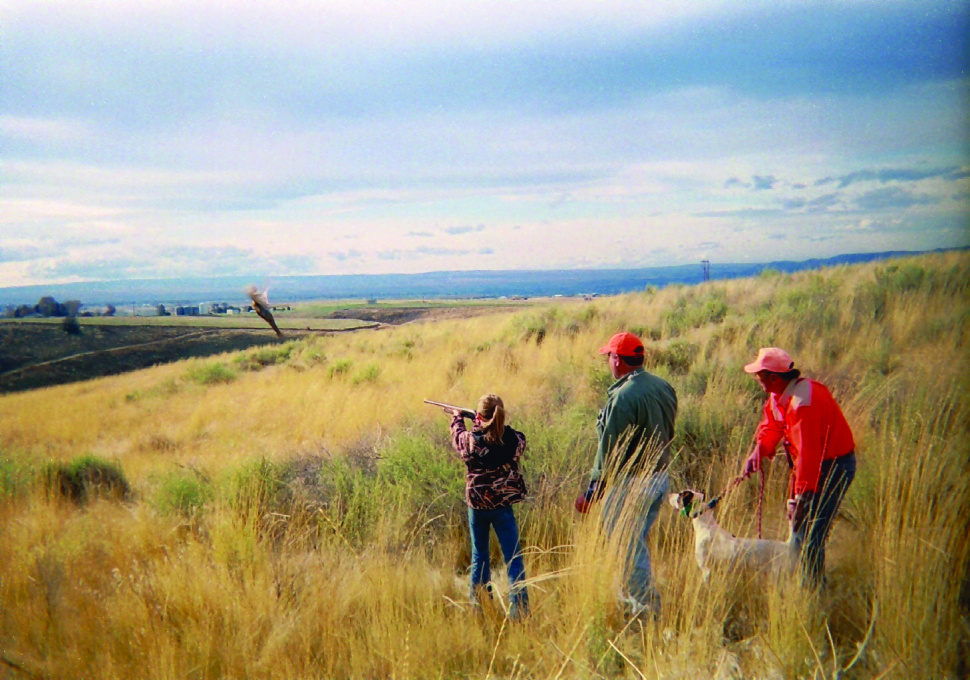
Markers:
(46, 306)
(72, 307)
(23, 310)
(71, 325)
(160, 311)
(110, 310)
(10, 311)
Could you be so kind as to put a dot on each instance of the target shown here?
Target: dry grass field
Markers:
(38, 352)
(294, 510)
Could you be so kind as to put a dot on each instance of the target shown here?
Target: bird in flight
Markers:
(261, 307)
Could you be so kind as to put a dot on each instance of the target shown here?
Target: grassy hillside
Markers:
(295, 511)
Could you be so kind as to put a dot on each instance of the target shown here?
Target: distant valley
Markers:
(431, 285)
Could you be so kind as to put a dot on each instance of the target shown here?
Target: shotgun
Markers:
(465, 412)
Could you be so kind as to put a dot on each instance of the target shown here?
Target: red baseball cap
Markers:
(623, 344)
(771, 359)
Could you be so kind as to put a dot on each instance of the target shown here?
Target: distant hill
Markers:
(460, 284)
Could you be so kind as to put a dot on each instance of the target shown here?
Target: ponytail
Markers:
(491, 411)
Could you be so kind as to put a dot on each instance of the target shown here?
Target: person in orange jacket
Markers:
(802, 414)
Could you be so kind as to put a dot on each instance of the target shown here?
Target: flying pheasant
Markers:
(261, 307)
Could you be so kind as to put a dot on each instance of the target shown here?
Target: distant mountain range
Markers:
(453, 284)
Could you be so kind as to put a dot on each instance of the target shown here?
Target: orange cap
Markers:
(623, 344)
(771, 359)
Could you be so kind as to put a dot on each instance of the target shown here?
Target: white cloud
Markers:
(318, 25)
(334, 135)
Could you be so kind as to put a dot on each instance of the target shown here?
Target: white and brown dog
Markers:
(713, 545)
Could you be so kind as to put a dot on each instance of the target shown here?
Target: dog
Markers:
(713, 545)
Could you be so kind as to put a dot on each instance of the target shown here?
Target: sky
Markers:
(207, 138)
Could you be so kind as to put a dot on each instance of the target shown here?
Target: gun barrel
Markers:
(467, 412)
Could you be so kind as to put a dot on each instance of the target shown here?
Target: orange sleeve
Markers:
(768, 434)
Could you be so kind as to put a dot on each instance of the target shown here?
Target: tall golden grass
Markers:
(296, 511)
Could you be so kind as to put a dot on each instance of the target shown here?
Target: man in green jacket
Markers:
(635, 429)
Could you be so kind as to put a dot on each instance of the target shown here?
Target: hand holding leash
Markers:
(752, 464)
(585, 499)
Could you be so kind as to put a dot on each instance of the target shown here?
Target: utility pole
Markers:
(707, 269)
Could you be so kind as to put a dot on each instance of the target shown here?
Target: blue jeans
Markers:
(809, 541)
(642, 497)
(507, 532)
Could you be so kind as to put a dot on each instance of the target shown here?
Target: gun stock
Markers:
(466, 412)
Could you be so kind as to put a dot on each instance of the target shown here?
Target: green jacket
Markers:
(635, 426)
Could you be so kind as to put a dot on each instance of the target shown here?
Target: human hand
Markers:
(752, 464)
(585, 499)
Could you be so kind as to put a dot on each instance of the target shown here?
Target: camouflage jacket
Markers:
(492, 478)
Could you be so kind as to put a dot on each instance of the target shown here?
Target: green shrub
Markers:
(901, 278)
(404, 348)
(706, 435)
(692, 311)
(392, 491)
(310, 354)
(268, 355)
(535, 325)
(811, 310)
(339, 367)
(352, 503)
(645, 332)
(599, 378)
(211, 373)
(367, 374)
(678, 356)
(870, 301)
(183, 492)
(552, 320)
(255, 488)
(15, 479)
(697, 380)
(415, 469)
(85, 478)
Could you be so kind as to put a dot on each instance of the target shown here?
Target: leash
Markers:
(709, 505)
(761, 496)
(732, 485)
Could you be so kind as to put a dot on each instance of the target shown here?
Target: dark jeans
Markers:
(507, 532)
(809, 541)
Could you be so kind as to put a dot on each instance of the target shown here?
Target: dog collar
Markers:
(688, 509)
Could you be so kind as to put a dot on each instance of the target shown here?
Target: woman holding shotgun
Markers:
(493, 483)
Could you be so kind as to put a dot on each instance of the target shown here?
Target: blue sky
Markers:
(163, 139)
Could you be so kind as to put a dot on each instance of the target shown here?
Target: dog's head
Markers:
(686, 501)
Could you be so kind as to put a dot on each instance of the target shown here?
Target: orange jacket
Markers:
(812, 424)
